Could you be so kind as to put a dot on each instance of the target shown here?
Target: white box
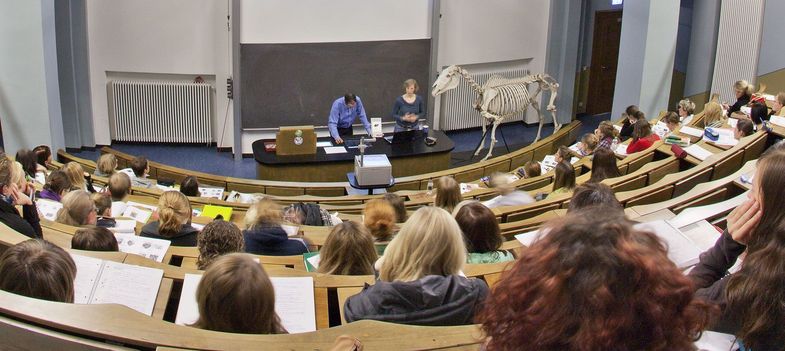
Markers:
(375, 170)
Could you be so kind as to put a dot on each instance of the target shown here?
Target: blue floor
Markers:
(209, 160)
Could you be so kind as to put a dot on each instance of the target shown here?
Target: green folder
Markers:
(308, 266)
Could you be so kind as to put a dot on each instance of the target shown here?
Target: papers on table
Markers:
(733, 122)
(291, 230)
(124, 226)
(698, 152)
(695, 214)
(702, 233)
(661, 129)
(691, 131)
(236, 196)
(778, 120)
(467, 187)
(576, 147)
(334, 150)
(529, 238)
(713, 341)
(99, 281)
(323, 144)
(211, 192)
(681, 249)
(621, 149)
(548, 163)
(726, 137)
(151, 248)
(129, 172)
(48, 209)
(138, 214)
(164, 187)
(294, 302)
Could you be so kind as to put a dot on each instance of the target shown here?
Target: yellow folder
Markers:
(213, 211)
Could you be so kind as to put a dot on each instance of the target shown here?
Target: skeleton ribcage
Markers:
(510, 100)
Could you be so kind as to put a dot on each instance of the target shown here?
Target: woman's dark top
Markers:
(186, 236)
(271, 240)
(626, 130)
(27, 224)
(401, 108)
(742, 101)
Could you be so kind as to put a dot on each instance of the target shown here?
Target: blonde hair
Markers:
(264, 211)
(744, 87)
(102, 203)
(688, 106)
(429, 243)
(75, 175)
(379, 217)
(411, 82)
(77, 206)
(218, 238)
(235, 295)
(448, 193)
(712, 112)
(18, 174)
(348, 250)
(106, 164)
(590, 141)
(174, 210)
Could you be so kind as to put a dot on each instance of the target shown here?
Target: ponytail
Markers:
(174, 210)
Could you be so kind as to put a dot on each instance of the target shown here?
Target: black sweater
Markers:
(28, 224)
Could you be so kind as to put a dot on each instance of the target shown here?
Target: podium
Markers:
(295, 140)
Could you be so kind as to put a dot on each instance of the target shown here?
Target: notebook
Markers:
(681, 250)
(213, 211)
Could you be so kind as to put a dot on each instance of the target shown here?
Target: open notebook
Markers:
(100, 281)
(294, 302)
(682, 250)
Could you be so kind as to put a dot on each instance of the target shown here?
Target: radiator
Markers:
(456, 105)
(738, 46)
(158, 111)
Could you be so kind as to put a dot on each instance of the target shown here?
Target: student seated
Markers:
(753, 298)
(744, 128)
(103, 204)
(531, 169)
(78, 178)
(776, 107)
(595, 195)
(686, 111)
(190, 186)
(28, 160)
(106, 165)
(398, 204)
(78, 209)
(481, 234)
(563, 153)
(642, 137)
(11, 195)
(672, 121)
(712, 116)
(94, 239)
(379, 217)
(508, 194)
(141, 169)
(38, 269)
(348, 250)
(448, 193)
(743, 91)
(759, 112)
(174, 221)
(419, 280)
(56, 186)
(603, 166)
(593, 283)
(563, 179)
(43, 155)
(119, 186)
(588, 144)
(235, 295)
(263, 233)
(632, 114)
(218, 238)
(607, 134)
(309, 214)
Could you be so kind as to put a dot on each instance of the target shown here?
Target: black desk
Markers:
(407, 159)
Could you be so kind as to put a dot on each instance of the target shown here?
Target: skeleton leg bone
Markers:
(496, 122)
(482, 142)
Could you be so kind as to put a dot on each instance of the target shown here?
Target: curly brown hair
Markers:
(594, 283)
(218, 238)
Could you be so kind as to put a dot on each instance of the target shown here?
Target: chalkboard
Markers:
(296, 84)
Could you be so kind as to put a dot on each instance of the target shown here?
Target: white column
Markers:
(646, 54)
(738, 46)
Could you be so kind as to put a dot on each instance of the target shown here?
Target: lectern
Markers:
(295, 140)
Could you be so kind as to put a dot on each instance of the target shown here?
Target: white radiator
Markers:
(171, 112)
(738, 46)
(456, 105)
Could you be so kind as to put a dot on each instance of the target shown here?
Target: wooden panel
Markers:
(322, 308)
(501, 166)
(728, 166)
(658, 195)
(408, 185)
(685, 185)
(656, 174)
(630, 184)
(20, 336)
(530, 212)
(636, 164)
(245, 188)
(710, 198)
(540, 152)
(281, 191)
(537, 183)
(468, 176)
(163, 298)
(343, 294)
(520, 160)
(325, 191)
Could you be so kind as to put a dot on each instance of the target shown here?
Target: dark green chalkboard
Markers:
(295, 84)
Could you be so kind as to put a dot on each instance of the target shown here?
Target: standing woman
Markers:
(409, 107)
(753, 298)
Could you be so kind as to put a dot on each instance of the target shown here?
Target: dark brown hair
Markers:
(532, 169)
(42, 154)
(671, 118)
(745, 126)
(57, 182)
(448, 193)
(607, 130)
(348, 250)
(642, 129)
(94, 239)
(139, 165)
(564, 176)
(593, 283)
(398, 204)
(480, 228)
(28, 160)
(189, 186)
(37, 268)
(603, 165)
(589, 195)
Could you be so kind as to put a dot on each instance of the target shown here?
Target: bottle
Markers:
(614, 144)
(430, 186)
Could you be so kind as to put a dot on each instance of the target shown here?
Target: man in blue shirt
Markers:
(345, 109)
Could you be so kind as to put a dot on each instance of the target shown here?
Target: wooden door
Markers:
(604, 60)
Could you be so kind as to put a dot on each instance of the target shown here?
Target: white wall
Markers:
(772, 56)
(703, 44)
(472, 32)
(319, 21)
(29, 95)
(187, 37)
